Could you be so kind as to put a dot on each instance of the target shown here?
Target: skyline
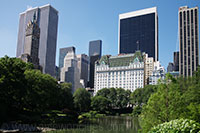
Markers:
(83, 21)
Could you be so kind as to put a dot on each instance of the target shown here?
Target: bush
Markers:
(177, 126)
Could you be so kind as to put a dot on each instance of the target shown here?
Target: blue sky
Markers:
(81, 21)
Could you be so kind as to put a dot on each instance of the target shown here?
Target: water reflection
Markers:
(109, 124)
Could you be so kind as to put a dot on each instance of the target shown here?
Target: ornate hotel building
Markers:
(122, 71)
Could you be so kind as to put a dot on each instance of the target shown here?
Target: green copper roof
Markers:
(122, 60)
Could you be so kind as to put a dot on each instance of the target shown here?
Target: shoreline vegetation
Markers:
(28, 96)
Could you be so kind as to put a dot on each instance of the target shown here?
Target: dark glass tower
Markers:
(188, 40)
(95, 48)
(47, 19)
(176, 61)
(138, 30)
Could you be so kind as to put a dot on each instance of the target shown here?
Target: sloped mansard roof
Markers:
(121, 60)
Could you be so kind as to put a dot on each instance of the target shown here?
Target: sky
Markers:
(81, 21)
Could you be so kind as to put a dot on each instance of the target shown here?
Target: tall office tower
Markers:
(83, 63)
(93, 59)
(70, 72)
(176, 61)
(188, 40)
(63, 53)
(48, 23)
(95, 48)
(138, 30)
(31, 46)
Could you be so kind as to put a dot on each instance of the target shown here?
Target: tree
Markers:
(100, 103)
(141, 95)
(42, 91)
(65, 96)
(104, 92)
(12, 85)
(122, 98)
(82, 99)
(174, 99)
(119, 98)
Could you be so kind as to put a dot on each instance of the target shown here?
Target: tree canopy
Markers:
(174, 99)
(82, 99)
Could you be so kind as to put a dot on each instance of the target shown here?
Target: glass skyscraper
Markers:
(138, 30)
(47, 18)
(95, 48)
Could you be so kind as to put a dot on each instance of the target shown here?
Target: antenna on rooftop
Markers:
(138, 45)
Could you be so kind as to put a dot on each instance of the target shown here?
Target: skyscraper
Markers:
(176, 61)
(31, 46)
(188, 40)
(95, 48)
(47, 19)
(138, 30)
(93, 59)
(70, 72)
(63, 53)
(83, 64)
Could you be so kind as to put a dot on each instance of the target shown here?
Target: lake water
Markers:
(108, 124)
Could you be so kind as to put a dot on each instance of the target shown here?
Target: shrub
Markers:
(177, 126)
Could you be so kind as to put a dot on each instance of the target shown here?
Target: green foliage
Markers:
(26, 93)
(82, 100)
(119, 98)
(174, 99)
(42, 91)
(65, 95)
(141, 95)
(177, 126)
(12, 85)
(86, 117)
(100, 104)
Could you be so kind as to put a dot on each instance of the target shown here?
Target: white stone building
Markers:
(122, 71)
(157, 74)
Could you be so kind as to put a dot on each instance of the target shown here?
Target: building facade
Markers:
(148, 68)
(157, 74)
(170, 67)
(188, 40)
(93, 59)
(95, 48)
(31, 46)
(63, 52)
(47, 19)
(70, 72)
(138, 30)
(176, 61)
(123, 71)
(83, 66)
